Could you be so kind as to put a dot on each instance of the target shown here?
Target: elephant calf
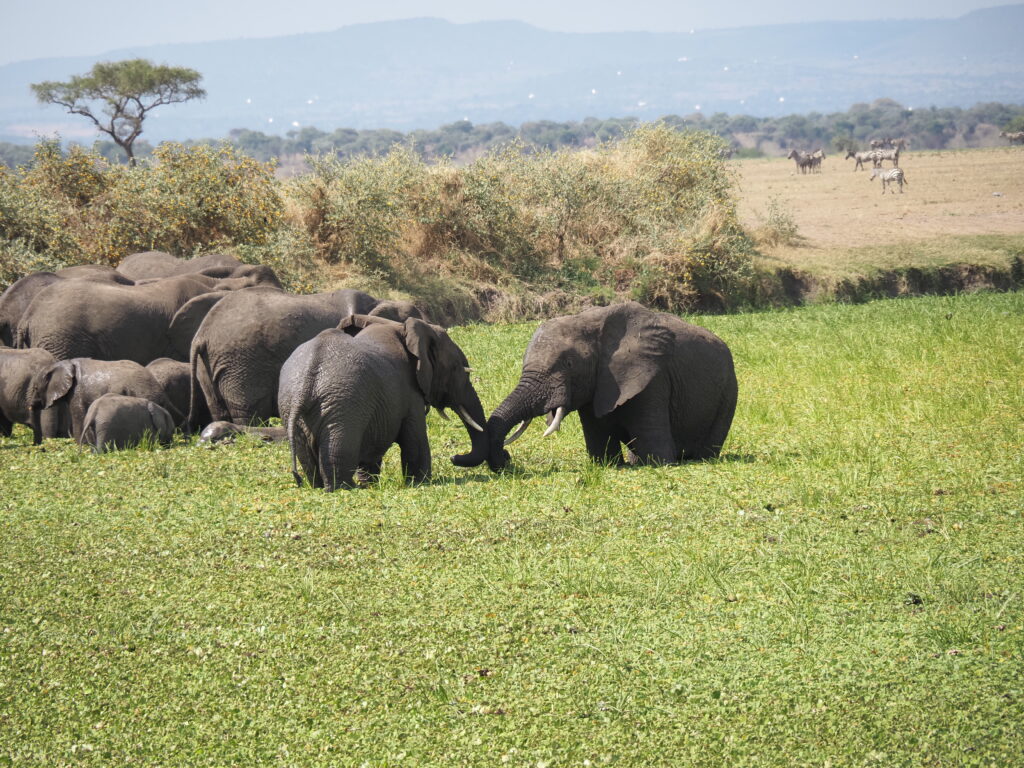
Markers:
(18, 368)
(226, 431)
(345, 400)
(115, 422)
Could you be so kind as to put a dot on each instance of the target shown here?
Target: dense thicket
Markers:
(514, 233)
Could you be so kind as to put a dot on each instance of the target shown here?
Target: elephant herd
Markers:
(107, 356)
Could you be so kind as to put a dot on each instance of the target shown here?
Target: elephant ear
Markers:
(353, 324)
(58, 383)
(635, 346)
(186, 321)
(421, 340)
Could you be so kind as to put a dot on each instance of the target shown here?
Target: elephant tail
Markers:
(291, 448)
(20, 337)
(195, 391)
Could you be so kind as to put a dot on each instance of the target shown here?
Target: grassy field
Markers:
(844, 587)
(958, 206)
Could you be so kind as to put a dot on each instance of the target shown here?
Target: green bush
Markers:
(76, 207)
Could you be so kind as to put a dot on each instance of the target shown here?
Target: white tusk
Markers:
(518, 433)
(559, 415)
(442, 414)
(467, 369)
(468, 419)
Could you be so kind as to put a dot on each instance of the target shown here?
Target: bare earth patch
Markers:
(846, 223)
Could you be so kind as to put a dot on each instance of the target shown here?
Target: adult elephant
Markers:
(18, 368)
(19, 295)
(73, 385)
(150, 264)
(345, 400)
(664, 389)
(72, 318)
(239, 349)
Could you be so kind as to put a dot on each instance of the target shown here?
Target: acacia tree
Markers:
(116, 95)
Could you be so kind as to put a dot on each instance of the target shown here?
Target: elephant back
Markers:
(244, 340)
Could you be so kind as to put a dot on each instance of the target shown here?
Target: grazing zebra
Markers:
(891, 176)
(861, 158)
(802, 159)
(1014, 137)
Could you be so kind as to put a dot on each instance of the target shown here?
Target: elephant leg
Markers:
(599, 435)
(412, 440)
(648, 424)
(338, 460)
(6, 426)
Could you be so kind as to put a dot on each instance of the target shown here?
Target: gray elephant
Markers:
(19, 295)
(345, 400)
(150, 264)
(72, 318)
(73, 385)
(175, 381)
(18, 368)
(226, 432)
(239, 349)
(116, 422)
(664, 389)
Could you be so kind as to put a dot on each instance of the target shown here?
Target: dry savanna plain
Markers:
(958, 206)
(844, 586)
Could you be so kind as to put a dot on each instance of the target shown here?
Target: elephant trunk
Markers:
(477, 455)
(532, 397)
(36, 423)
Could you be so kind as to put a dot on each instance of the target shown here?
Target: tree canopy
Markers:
(117, 95)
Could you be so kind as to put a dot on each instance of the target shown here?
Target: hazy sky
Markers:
(44, 28)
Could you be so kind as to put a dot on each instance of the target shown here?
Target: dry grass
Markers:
(846, 225)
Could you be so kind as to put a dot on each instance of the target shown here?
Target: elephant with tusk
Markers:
(647, 381)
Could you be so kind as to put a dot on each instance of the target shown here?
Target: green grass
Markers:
(844, 587)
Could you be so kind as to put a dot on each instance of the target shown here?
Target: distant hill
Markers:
(422, 73)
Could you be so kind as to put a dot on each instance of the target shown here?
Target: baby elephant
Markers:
(226, 431)
(120, 421)
(346, 399)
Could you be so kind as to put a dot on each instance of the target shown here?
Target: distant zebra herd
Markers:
(1014, 137)
(807, 162)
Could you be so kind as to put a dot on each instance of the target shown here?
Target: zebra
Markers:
(802, 159)
(816, 157)
(861, 158)
(891, 176)
(878, 155)
(1014, 137)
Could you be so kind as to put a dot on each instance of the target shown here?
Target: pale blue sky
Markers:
(44, 28)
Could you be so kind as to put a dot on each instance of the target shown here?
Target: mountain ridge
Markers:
(420, 73)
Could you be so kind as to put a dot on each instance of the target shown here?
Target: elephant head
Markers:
(442, 375)
(48, 392)
(598, 359)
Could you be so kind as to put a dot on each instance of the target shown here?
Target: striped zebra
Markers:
(891, 176)
(1014, 137)
(861, 158)
(802, 159)
(893, 155)
(816, 157)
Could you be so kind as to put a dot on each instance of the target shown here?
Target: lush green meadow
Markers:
(844, 587)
